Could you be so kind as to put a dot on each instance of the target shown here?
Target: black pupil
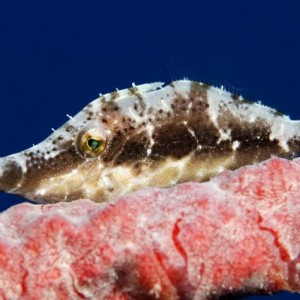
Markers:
(93, 144)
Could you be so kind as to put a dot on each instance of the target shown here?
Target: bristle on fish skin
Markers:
(148, 135)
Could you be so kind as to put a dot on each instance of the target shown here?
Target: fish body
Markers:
(148, 135)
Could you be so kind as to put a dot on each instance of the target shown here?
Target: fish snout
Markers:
(10, 174)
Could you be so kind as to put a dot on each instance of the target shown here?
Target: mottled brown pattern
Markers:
(63, 163)
(134, 149)
(171, 137)
(11, 176)
(109, 106)
(150, 142)
(115, 145)
(172, 140)
(207, 134)
(294, 144)
(254, 138)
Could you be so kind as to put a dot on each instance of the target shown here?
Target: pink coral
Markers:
(236, 233)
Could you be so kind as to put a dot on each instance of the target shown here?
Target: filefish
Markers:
(149, 135)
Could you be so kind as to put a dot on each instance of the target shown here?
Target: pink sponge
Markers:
(237, 233)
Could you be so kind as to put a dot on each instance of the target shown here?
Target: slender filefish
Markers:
(149, 135)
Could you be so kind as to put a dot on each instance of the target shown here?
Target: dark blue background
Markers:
(56, 56)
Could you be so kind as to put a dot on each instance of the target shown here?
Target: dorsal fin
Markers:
(141, 88)
(148, 87)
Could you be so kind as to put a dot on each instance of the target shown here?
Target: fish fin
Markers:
(148, 87)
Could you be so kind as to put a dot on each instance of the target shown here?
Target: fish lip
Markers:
(11, 174)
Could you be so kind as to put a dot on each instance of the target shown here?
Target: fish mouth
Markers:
(10, 174)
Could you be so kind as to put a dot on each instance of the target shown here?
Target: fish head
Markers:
(85, 157)
(65, 166)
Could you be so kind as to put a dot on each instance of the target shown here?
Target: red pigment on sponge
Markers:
(238, 233)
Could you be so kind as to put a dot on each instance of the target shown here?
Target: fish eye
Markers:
(94, 144)
(91, 143)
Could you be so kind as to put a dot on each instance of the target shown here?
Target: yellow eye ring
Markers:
(91, 143)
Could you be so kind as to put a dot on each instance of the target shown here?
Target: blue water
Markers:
(56, 56)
